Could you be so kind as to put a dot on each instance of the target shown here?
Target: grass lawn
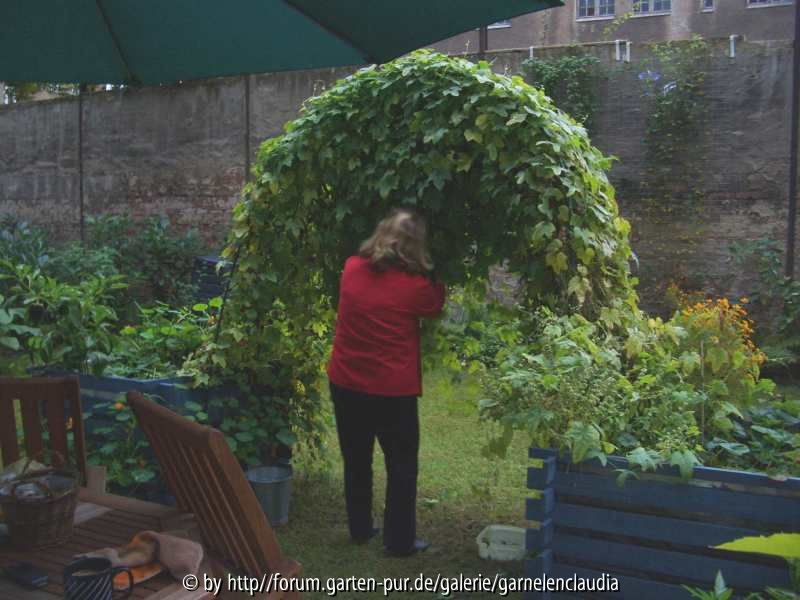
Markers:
(460, 492)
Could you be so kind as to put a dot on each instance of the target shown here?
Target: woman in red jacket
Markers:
(375, 373)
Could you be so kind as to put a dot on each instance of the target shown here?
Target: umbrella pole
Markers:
(483, 41)
(246, 128)
(793, 151)
(81, 91)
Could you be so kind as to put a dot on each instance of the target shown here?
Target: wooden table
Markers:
(101, 520)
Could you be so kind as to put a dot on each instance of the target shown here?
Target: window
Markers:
(649, 7)
(707, 5)
(588, 9)
(767, 2)
(500, 24)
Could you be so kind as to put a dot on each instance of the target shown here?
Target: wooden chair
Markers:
(58, 399)
(208, 482)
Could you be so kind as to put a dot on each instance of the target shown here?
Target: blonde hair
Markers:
(399, 240)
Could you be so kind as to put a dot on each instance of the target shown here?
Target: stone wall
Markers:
(181, 151)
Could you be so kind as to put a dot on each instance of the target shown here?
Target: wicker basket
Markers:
(43, 521)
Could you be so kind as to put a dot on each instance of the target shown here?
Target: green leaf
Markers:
(516, 118)
(557, 261)
(542, 232)
(284, 436)
(481, 121)
(473, 136)
(689, 362)
(11, 343)
(142, 475)
(582, 438)
(785, 545)
(686, 461)
(717, 357)
(734, 448)
(646, 460)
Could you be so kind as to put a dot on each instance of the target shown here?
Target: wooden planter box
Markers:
(654, 533)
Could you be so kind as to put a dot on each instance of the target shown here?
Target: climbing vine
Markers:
(498, 172)
(571, 81)
(674, 88)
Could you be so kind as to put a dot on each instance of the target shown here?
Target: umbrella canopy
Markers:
(160, 41)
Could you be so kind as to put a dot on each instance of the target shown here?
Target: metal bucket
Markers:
(273, 486)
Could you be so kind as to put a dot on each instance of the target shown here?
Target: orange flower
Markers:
(119, 406)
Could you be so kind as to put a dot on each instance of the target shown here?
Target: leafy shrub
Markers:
(164, 337)
(719, 344)
(251, 428)
(156, 260)
(568, 385)
(74, 262)
(118, 445)
(21, 243)
(775, 297)
(763, 437)
(13, 332)
(653, 393)
(74, 324)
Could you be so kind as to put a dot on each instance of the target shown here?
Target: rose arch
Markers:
(499, 173)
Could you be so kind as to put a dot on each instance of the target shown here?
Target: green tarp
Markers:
(160, 41)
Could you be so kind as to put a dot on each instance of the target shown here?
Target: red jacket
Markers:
(376, 346)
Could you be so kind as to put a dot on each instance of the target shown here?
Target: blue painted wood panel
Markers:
(646, 527)
(540, 509)
(539, 539)
(730, 476)
(668, 563)
(716, 505)
(540, 478)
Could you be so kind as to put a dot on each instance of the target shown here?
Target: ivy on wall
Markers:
(674, 88)
(571, 82)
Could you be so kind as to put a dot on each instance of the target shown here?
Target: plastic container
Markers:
(501, 542)
(273, 487)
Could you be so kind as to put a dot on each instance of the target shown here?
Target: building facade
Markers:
(586, 21)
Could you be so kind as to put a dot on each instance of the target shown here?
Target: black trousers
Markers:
(360, 418)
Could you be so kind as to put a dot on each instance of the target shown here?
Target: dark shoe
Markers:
(419, 546)
(360, 541)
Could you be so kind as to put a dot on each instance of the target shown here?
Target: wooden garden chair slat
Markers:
(32, 426)
(8, 428)
(208, 481)
(58, 398)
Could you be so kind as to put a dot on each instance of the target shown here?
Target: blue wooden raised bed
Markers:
(172, 392)
(655, 533)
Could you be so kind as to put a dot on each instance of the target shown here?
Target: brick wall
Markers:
(181, 151)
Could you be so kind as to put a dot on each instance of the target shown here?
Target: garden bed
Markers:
(172, 392)
(655, 533)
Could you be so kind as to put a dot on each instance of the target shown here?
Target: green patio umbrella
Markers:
(160, 41)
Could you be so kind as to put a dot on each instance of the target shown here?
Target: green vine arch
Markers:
(499, 173)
